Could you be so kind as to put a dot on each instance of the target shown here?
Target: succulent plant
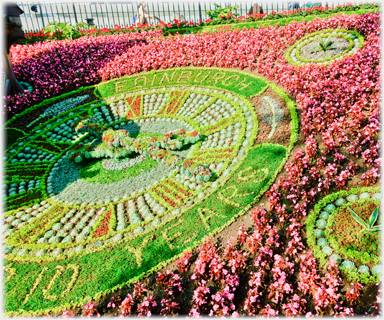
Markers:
(8, 249)
(347, 264)
(369, 224)
(322, 242)
(330, 207)
(365, 195)
(321, 223)
(327, 250)
(319, 233)
(340, 202)
(41, 252)
(335, 257)
(62, 233)
(68, 239)
(54, 239)
(377, 270)
(324, 215)
(363, 269)
(376, 196)
(352, 198)
(49, 234)
(57, 226)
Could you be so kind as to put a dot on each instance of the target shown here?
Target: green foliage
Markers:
(326, 60)
(348, 241)
(103, 270)
(219, 11)
(353, 255)
(45, 103)
(12, 135)
(270, 19)
(92, 171)
(64, 30)
(324, 46)
(367, 225)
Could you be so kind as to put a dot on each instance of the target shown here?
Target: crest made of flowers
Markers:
(118, 144)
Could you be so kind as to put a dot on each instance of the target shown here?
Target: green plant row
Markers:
(13, 201)
(16, 167)
(17, 129)
(352, 274)
(130, 282)
(145, 274)
(257, 24)
(43, 128)
(20, 194)
(47, 246)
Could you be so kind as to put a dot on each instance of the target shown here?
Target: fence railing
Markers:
(110, 13)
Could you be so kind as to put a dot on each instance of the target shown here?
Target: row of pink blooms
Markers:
(284, 279)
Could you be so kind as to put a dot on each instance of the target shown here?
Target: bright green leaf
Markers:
(358, 219)
(373, 218)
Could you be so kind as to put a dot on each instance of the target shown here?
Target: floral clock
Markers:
(325, 46)
(339, 229)
(111, 182)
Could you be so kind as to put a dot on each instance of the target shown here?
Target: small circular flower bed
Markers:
(343, 227)
(122, 182)
(350, 234)
(324, 46)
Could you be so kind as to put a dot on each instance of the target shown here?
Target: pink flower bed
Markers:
(283, 279)
(56, 67)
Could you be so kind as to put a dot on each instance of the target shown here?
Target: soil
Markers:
(283, 130)
(26, 172)
(27, 198)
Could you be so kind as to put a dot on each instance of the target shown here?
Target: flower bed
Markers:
(334, 234)
(340, 123)
(294, 54)
(80, 217)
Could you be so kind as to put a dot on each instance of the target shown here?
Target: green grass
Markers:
(93, 171)
(241, 83)
(103, 270)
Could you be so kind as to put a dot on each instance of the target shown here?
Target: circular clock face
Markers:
(113, 181)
